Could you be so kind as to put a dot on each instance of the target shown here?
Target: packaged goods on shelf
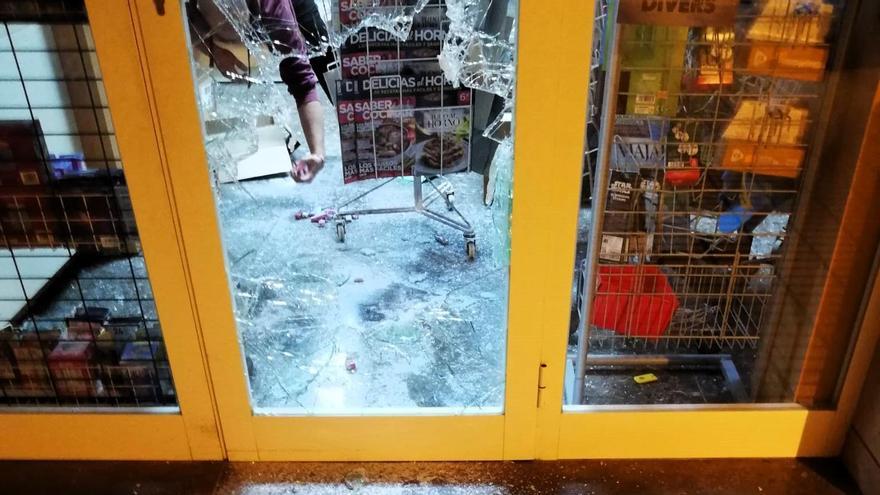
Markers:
(652, 64)
(142, 373)
(765, 139)
(802, 63)
(787, 21)
(73, 372)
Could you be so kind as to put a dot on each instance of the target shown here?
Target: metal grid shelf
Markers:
(78, 323)
(706, 135)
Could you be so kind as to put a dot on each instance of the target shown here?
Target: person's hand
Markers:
(227, 63)
(307, 168)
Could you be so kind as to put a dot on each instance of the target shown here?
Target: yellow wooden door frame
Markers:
(165, 433)
(757, 430)
(152, 102)
(553, 55)
(549, 131)
(701, 431)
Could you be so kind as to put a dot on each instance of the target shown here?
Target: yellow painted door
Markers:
(722, 296)
(99, 353)
(351, 318)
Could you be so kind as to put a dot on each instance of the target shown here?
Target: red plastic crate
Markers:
(633, 300)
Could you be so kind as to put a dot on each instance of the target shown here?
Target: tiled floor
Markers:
(734, 477)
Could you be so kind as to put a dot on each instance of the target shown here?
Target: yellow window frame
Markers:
(189, 432)
(553, 53)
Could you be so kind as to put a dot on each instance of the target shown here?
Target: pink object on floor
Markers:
(324, 215)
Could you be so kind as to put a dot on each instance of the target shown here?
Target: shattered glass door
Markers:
(360, 155)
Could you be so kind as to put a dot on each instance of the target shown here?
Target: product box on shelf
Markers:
(802, 63)
(765, 138)
(29, 218)
(30, 351)
(87, 323)
(792, 22)
(73, 372)
(23, 159)
(7, 360)
(715, 57)
(774, 160)
(83, 329)
(767, 123)
(114, 336)
(652, 65)
(622, 215)
(142, 373)
(97, 215)
(638, 143)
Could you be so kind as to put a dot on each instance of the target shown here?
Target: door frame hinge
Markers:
(541, 368)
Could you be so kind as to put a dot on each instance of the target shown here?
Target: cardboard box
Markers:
(32, 374)
(143, 373)
(87, 323)
(23, 159)
(114, 336)
(779, 21)
(759, 122)
(775, 160)
(802, 63)
(72, 370)
(271, 156)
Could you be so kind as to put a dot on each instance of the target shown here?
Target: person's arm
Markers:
(200, 37)
(311, 116)
(278, 18)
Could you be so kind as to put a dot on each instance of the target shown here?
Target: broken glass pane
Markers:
(340, 306)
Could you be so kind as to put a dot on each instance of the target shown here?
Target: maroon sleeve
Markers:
(279, 20)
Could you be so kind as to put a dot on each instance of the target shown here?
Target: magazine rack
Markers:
(738, 166)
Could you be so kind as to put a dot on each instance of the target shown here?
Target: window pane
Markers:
(382, 283)
(701, 150)
(79, 325)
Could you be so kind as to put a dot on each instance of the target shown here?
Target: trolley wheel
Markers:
(471, 249)
(340, 231)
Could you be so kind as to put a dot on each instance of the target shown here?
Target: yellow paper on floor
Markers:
(646, 378)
